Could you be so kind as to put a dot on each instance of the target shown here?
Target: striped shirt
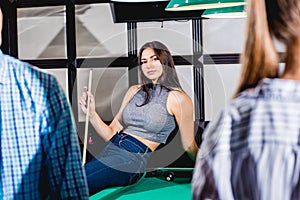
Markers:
(252, 151)
(40, 156)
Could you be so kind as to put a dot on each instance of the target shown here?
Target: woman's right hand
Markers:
(83, 103)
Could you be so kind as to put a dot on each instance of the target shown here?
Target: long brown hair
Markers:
(284, 23)
(259, 58)
(169, 79)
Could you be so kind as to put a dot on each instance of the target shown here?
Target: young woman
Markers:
(252, 151)
(148, 114)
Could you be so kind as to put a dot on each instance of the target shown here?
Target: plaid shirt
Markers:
(40, 156)
(252, 151)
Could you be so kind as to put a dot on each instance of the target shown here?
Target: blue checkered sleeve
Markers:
(62, 157)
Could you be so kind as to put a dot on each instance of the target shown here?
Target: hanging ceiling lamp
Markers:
(137, 1)
(228, 12)
(184, 5)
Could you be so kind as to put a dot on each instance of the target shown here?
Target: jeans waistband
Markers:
(119, 137)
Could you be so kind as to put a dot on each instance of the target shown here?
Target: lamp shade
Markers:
(184, 5)
(136, 1)
(228, 12)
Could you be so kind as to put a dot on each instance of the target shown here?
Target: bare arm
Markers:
(104, 130)
(181, 106)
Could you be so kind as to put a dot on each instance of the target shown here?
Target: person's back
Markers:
(252, 150)
(40, 155)
(39, 150)
(258, 154)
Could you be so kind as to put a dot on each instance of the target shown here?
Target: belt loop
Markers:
(122, 134)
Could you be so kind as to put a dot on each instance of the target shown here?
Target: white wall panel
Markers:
(220, 83)
(37, 28)
(110, 39)
(223, 35)
(176, 35)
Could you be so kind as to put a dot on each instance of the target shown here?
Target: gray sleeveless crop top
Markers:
(151, 121)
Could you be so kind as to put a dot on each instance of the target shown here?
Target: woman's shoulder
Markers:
(179, 95)
(177, 101)
(132, 91)
(134, 88)
(178, 98)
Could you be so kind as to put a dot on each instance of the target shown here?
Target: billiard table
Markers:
(163, 183)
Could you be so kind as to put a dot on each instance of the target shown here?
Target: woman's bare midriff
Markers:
(152, 145)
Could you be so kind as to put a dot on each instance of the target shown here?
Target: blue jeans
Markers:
(122, 162)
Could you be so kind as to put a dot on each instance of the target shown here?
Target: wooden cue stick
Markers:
(87, 118)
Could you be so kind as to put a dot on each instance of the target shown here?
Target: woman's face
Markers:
(151, 65)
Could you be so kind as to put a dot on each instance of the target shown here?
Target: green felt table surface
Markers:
(151, 188)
